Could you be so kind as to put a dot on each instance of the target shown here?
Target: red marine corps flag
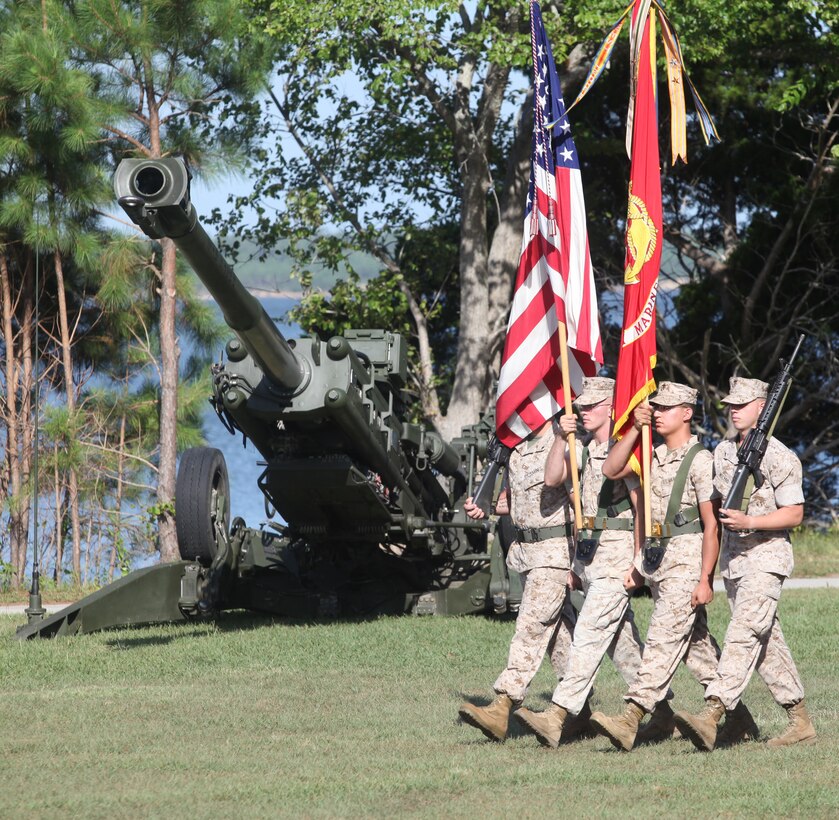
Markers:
(554, 293)
(637, 354)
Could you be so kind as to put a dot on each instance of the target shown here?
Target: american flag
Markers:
(555, 282)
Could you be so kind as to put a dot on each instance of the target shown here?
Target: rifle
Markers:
(498, 455)
(751, 451)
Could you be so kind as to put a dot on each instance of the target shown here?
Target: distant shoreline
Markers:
(267, 293)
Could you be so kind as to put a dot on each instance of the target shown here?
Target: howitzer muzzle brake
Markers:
(155, 194)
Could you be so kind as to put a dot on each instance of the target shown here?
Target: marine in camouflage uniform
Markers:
(542, 517)
(681, 584)
(756, 557)
(606, 623)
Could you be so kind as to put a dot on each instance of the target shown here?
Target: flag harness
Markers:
(676, 522)
(606, 517)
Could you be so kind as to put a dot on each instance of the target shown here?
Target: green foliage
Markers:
(71, 76)
(7, 572)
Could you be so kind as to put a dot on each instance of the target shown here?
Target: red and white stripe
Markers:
(554, 283)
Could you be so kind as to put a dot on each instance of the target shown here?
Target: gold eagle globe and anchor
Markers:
(641, 238)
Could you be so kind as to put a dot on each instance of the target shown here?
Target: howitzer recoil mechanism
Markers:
(371, 502)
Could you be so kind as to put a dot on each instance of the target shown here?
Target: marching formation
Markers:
(620, 513)
(608, 557)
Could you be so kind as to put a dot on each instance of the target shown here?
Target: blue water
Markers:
(243, 462)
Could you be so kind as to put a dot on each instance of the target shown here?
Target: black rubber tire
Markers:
(202, 471)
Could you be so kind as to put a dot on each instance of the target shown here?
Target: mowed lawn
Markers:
(250, 717)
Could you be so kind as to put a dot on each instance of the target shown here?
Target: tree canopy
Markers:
(410, 122)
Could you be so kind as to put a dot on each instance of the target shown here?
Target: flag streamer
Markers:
(637, 353)
(677, 78)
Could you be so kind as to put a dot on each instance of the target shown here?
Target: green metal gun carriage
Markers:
(371, 503)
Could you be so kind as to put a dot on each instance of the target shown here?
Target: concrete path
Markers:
(18, 609)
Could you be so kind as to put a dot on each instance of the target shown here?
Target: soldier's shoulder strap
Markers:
(678, 488)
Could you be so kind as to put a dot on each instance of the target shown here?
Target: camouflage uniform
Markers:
(754, 565)
(545, 620)
(606, 623)
(677, 631)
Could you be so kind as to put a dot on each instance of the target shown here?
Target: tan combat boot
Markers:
(701, 729)
(660, 727)
(800, 729)
(492, 720)
(547, 725)
(739, 727)
(620, 729)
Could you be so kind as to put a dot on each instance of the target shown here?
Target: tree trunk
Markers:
(118, 500)
(59, 519)
(11, 418)
(169, 354)
(506, 241)
(65, 343)
(472, 356)
(25, 382)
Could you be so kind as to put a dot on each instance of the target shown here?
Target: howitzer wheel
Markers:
(202, 479)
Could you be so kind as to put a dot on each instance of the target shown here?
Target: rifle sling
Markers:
(686, 521)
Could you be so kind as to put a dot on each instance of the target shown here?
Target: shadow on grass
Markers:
(144, 635)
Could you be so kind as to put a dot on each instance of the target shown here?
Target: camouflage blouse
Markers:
(533, 504)
(761, 550)
(615, 549)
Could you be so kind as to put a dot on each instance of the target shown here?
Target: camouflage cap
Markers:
(595, 390)
(742, 391)
(669, 394)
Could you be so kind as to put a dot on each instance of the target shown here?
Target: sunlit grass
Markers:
(252, 719)
(816, 553)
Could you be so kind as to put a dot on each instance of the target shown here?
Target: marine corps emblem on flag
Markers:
(641, 238)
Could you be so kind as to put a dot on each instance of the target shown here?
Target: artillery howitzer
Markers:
(372, 503)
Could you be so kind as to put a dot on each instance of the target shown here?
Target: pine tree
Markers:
(52, 182)
(162, 66)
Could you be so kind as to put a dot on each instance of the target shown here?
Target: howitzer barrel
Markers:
(155, 194)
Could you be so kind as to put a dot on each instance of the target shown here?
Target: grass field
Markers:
(253, 718)
(816, 553)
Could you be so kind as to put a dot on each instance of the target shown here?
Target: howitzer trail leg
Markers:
(146, 596)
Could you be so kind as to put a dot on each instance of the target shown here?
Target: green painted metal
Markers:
(145, 596)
